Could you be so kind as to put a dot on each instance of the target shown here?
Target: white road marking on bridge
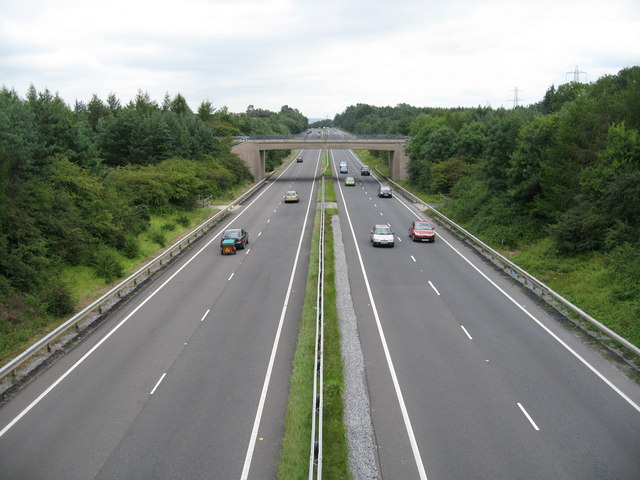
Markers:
(231, 276)
(528, 417)
(205, 315)
(158, 384)
(465, 331)
(434, 288)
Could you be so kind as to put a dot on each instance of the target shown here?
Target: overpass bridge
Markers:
(252, 150)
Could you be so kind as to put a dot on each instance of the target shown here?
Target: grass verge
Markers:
(294, 458)
(584, 281)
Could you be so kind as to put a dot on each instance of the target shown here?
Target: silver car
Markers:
(382, 235)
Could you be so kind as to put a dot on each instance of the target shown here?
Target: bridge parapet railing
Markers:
(302, 137)
(57, 340)
(585, 321)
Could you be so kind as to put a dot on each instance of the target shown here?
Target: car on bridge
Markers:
(239, 235)
(291, 197)
(422, 232)
(382, 235)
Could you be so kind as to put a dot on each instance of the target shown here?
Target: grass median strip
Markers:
(294, 459)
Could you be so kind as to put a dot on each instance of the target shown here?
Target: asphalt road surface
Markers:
(468, 376)
(191, 379)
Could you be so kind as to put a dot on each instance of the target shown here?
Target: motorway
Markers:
(468, 377)
(191, 378)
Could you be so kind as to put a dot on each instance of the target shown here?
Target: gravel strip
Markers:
(360, 435)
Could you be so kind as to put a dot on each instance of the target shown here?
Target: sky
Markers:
(318, 57)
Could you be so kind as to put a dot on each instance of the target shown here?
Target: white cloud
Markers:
(318, 57)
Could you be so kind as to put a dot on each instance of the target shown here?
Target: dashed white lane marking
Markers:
(434, 288)
(205, 315)
(158, 384)
(231, 276)
(247, 252)
(465, 331)
(528, 417)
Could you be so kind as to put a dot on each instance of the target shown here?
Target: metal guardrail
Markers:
(114, 296)
(303, 137)
(550, 296)
(315, 453)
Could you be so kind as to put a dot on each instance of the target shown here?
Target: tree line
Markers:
(79, 184)
(566, 168)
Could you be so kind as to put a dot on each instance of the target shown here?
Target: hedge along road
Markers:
(189, 379)
(488, 384)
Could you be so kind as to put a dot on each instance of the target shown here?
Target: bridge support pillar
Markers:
(398, 163)
(253, 158)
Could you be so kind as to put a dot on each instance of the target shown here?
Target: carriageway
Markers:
(252, 151)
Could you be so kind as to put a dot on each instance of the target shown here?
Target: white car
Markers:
(382, 235)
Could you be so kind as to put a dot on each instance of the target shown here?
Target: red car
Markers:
(422, 231)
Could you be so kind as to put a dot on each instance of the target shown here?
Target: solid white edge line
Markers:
(434, 288)
(465, 331)
(158, 384)
(526, 414)
(274, 349)
(205, 315)
(394, 377)
(543, 326)
(38, 399)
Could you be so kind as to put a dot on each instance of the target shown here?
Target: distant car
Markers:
(240, 235)
(299, 160)
(343, 167)
(365, 170)
(422, 232)
(350, 182)
(382, 235)
(384, 191)
(291, 197)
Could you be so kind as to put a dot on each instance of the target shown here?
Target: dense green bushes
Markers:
(566, 169)
(78, 186)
